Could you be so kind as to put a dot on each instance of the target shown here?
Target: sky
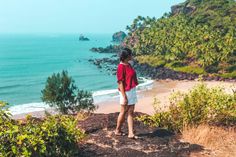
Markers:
(76, 16)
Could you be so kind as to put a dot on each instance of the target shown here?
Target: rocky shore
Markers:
(145, 70)
(107, 64)
(109, 49)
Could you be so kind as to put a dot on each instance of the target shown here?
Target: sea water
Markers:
(27, 60)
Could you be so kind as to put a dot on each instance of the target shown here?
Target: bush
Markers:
(61, 92)
(231, 68)
(231, 75)
(201, 105)
(4, 114)
(212, 69)
(53, 136)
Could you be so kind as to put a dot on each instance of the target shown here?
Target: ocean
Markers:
(27, 60)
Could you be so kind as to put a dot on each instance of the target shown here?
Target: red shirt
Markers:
(127, 74)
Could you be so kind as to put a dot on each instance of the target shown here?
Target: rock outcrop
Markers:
(108, 49)
(118, 36)
(153, 142)
(184, 8)
(145, 70)
(107, 64)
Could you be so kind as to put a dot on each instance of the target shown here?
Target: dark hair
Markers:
(125, 53)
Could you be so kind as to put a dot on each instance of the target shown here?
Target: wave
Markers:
(104, 95)
(27, 108)
(11, 86)
(146, 85)
(98, 96)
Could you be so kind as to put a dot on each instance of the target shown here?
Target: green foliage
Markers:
(231, 75)
(203, 39)
(231, 68)
(201, 105)
(154, 61)
(4, 114)
(53, 136)
(61, 92)
(187, 69)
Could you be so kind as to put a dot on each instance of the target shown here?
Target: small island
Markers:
(82, 38)
(118, 36)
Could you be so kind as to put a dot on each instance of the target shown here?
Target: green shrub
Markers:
(231, 75)
(231, 68)
(201, 105)
(53, 136)
(212, 69)
(61, 92)
(4, 114)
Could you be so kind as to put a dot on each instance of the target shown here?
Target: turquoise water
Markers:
(27, 60)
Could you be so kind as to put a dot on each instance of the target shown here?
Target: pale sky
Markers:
(76, 16)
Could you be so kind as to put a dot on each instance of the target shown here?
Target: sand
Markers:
(162, 89)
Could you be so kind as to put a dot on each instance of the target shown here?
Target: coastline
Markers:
(161, 89)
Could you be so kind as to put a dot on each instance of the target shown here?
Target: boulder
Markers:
(118, 36)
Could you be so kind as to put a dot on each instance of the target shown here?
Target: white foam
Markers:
(27, 108)
(98, 96)
(147, 85)
(104, 95)
(104, 92)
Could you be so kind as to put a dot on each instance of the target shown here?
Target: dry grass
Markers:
(221, 141)
(82, 115)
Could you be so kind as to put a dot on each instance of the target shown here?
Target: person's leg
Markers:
(121, 118)
(130, 120)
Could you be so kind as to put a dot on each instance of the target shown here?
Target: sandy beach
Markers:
(162, 89)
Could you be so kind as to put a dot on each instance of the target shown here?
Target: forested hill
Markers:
(197, 36)
(216, 13)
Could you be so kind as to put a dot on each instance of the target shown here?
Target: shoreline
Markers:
(161, 89)
(99, 96)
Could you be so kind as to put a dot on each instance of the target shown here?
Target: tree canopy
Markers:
(196, 34)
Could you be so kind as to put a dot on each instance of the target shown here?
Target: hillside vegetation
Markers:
(198, 36)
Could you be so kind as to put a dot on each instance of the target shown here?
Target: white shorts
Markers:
(131, 96)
